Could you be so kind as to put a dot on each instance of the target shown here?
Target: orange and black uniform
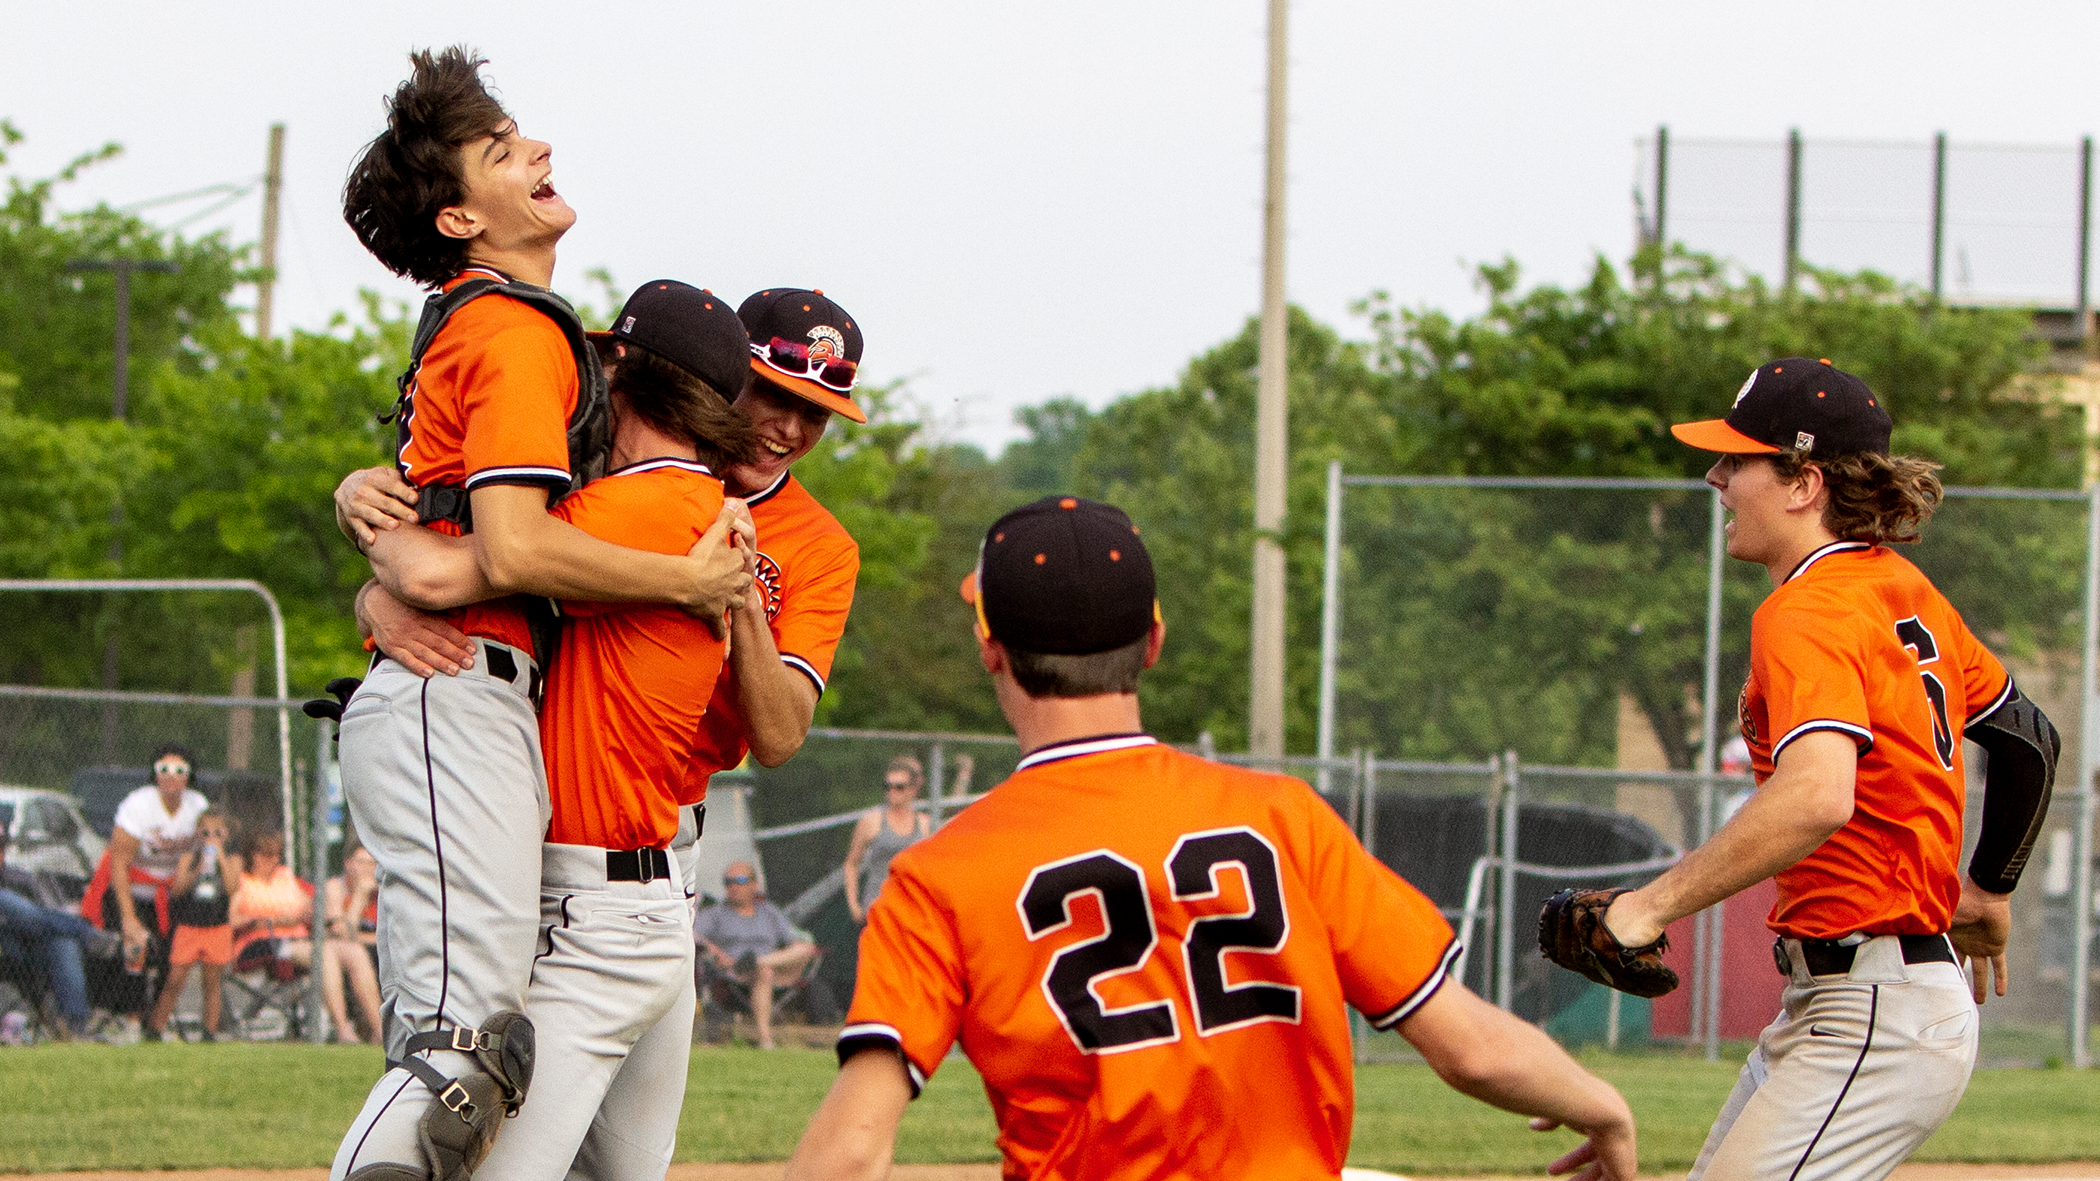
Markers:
(624, 704)
(492, 400)
(1857, 641)
(807, 564)
(1148, 957)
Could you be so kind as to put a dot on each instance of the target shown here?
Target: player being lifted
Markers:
(502, 411)
(1863, 683)
(624, 703)
(1148, 956)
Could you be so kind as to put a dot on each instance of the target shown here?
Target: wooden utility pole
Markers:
(273, 184)
(1271, 422)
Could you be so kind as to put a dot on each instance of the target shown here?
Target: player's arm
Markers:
(523, 550)
(2019, 774)
(420, 642)
(429, 570)
(371, 501)
(855, 1130)
(777, 701)
(1483, 1052)
(1808, 797)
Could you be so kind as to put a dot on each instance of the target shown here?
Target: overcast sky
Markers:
(1020, 201)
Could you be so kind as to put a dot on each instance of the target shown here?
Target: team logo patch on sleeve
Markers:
(768, 576)
(1743, 720)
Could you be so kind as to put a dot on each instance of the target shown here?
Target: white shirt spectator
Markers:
(163, 838)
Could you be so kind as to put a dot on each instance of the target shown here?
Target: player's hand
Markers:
(418, 641)
(1982, 922)
(1629, 922)
(371, 501)
(720, 565)
(1607, 1155)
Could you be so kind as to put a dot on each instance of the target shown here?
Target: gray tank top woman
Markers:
(875, 863)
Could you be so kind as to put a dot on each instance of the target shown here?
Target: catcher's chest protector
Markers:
(590, 426)
(589, 430)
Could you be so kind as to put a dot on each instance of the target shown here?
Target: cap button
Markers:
(820, 291)
(1068, 503)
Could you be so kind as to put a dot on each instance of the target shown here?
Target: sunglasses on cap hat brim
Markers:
(1714, 434)
(804, 388)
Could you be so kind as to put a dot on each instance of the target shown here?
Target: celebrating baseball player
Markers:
(502, 411)
(1146, 955)
(1863, 683)
(623, 708)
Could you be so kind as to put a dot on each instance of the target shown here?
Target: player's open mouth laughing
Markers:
(775, 448)
(544, 191)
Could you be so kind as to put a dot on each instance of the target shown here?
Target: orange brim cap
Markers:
(968, 589)
(803, 387)
(601, 339)
(1714, 434)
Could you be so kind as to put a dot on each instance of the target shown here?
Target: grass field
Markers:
(192, 1106)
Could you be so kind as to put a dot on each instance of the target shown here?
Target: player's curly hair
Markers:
(671, 399)
(1874, 498)
(412, 171)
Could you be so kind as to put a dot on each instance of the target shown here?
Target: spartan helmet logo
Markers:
(1747, 383)
(826, 344)
(768, 575)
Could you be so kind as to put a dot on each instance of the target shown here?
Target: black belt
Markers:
(636, 865)
(1825, 958)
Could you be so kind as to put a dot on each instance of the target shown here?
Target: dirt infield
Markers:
(2076, 1171)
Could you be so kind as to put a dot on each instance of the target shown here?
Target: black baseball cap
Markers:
(806, 344)
(689, 326)
(1063, 577)
(1796, 404)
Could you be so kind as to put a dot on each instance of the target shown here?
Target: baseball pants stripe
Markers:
(1855, 1072)
(444, 782)
(615, 958)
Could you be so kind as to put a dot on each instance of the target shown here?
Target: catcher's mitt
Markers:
(1572, 934)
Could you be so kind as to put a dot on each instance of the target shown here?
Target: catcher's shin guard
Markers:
(459, 1128)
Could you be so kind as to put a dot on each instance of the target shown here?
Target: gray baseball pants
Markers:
(1855, 1072)
(615, 959)
(445, 784)
(659, 1058)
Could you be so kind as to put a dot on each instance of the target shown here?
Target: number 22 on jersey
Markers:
(1130, 935)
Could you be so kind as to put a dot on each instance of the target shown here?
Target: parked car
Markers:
(47, 833)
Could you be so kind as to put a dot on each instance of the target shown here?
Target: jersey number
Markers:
(1914, 635)
(1129, 937)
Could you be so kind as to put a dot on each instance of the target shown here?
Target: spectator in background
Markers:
(882, 833)
(353, 928)
(748, 939)
(201, 894)
(38, 928)
(270, 903)
(156, 824)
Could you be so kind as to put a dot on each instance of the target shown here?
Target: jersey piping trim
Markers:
(490, 272)
(759, 498)
(872, 1035)
(1860, 734)
(1835, 547)
(1073, 749)
(1997, 703)
(1421, 995)
(518, 475)
(805, 668)
(649, 465)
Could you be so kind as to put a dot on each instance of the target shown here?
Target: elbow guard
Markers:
(2022, 746)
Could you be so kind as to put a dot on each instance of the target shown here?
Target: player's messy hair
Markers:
(1043, 674)
(671, 399)
(1874, 498)
(412, 170)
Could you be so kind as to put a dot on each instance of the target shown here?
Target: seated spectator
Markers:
(749, 939)
(156, 824)
(203, 929)
(353, 929)
(38, 929)
(270, 903)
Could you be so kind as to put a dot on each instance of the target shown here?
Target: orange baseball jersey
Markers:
(624, 701)
(807, 563)
(1856, 640)
(1147, 957)
(492, 401)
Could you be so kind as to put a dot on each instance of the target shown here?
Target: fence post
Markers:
(1662, 188)
(1330, 615)
(1793, 207)
(2088, 758)
(1355, 811)
(2085, 231)
(937, 779)
(1706, 940)
(317, 805)
(1368, 834)
(1939, 209)
(1506, 930)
